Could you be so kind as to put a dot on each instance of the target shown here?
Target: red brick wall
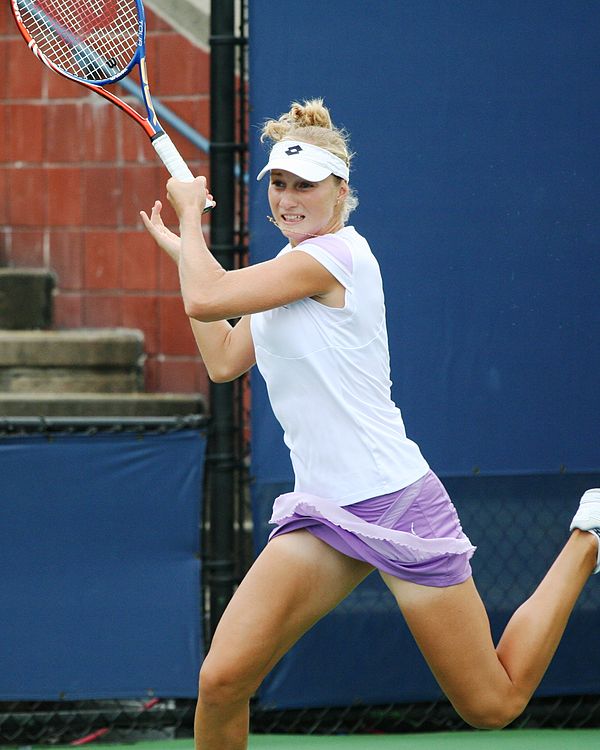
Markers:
(74, 173)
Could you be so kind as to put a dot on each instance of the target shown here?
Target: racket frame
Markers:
(151, 125)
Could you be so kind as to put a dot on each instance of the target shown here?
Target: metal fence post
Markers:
(221, 459)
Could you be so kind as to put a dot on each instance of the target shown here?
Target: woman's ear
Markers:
(343, 191)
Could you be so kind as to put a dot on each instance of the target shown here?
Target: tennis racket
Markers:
(97, 43)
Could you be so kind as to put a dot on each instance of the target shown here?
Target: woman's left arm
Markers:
(211, 293)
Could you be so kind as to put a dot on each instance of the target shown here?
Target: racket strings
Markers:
(93, 40)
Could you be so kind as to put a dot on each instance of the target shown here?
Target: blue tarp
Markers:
(99, 565)
(478, 171)
(475, 126)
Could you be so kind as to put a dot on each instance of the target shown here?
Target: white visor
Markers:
(312, 163)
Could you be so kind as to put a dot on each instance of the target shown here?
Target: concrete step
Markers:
(26, 298)
(100, 404)
(103, 360)
(191, 18)
(64, 380)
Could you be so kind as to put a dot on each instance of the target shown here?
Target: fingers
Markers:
(174, 185)
(154, 227)
(179, 196)
(146, 220)
(156, 217)
(154, 220)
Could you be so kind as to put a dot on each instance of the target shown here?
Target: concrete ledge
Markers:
(71, 380)
(84, 347)
(101, 405)
(191, 18)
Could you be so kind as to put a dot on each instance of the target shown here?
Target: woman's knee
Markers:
(222, 682)
(492, 712)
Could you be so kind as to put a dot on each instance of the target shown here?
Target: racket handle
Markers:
(174, 162)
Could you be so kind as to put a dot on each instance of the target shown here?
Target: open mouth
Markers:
(292, 218)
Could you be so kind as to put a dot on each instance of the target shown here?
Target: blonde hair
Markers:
(311, 122)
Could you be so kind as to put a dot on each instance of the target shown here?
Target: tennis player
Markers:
(365, 498)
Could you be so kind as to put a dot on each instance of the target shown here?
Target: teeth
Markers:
(292, 217)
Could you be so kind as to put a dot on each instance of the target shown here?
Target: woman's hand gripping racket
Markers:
(96, 43)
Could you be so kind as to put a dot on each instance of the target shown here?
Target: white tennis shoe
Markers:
(587, 517)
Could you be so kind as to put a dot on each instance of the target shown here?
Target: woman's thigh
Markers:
(451, 627)
(294, 582)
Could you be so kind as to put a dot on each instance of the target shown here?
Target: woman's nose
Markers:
(287, 199)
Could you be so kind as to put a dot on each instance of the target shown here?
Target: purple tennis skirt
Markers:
(413, 534)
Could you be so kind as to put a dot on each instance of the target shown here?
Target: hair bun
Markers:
(312, 113)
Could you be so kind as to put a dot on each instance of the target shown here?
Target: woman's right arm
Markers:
(227, 351)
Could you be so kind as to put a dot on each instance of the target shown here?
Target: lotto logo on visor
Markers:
(309, 162)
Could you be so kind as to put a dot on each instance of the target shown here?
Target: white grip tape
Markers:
(171, 158)
(174, 162)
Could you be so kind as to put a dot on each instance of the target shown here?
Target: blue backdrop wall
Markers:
(478, 170)
(475, 125)
(100, 565)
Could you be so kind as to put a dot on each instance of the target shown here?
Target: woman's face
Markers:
(303, 209)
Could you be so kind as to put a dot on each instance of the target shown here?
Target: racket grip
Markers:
(173, 161)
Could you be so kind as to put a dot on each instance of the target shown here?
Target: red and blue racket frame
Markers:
(161, 141)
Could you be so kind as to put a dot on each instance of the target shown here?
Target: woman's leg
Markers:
(489, 687)
(294, 582)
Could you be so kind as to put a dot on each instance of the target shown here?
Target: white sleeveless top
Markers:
(327, 372)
